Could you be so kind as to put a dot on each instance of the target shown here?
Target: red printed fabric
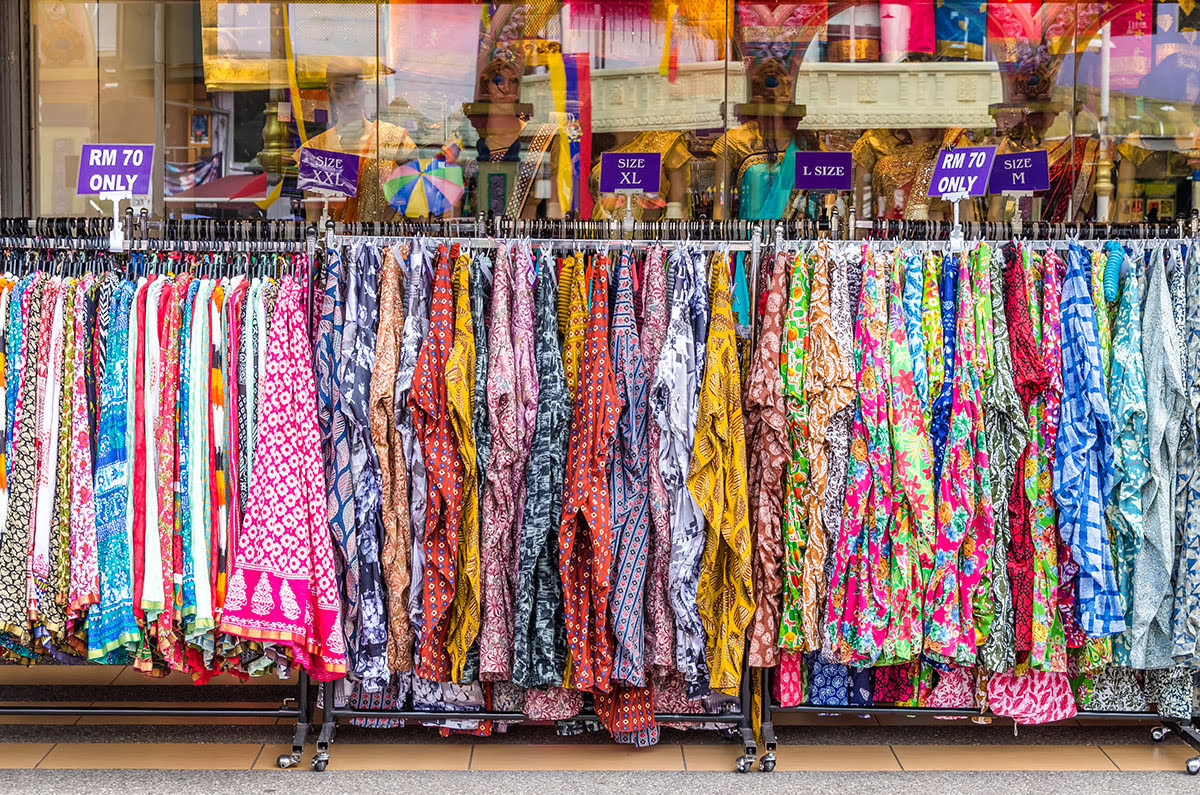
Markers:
(628, 714)
(585, 535)
(1030, 379)
(1034, 697)
(444, 474)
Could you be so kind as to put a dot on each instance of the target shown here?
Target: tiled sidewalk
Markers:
(483, 757)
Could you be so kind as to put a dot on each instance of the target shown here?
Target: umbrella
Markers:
(428, 186)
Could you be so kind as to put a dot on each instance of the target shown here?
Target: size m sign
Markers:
(115, 168)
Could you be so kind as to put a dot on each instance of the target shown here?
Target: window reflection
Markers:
(458, 109)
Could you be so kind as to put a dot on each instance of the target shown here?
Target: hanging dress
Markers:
(717, 480)
(499, 497)
(1187, 510)
(585, 533)
(793, 358)
(1006, 432)
(660, 622)
(481, 297)
(539, 643)
(674, 400)
(767, 439)
(859, 607)
(913, 516)
(1083, 456)
(444, 473)
(460, 394)
(283, 587)
(392, 469)
(628, 712)
(1151, 636)
(631, 497)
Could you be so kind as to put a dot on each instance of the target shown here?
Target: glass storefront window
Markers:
(457, 109)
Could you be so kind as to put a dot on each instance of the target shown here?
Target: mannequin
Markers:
(900, 164)
(380, 145)
(758, 156)
(669, 202)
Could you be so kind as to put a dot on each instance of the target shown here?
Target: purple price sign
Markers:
(824, 171)
(336, 172)
(115, 168)
(630, 172)
(1021, 171)
(962, 172)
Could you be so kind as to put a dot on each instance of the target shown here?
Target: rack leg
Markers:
(767, 762)
(328, 730)
(1186, 731)
(745, 762)
(303, 721)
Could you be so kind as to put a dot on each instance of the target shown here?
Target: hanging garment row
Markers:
(973, 477)
(537, 477)
(152, 436)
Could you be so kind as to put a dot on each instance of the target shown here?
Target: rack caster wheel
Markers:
(767, 763)
(288, 760)
(1159, 733)
(745, 763)
(320, 763)
(1193, 765)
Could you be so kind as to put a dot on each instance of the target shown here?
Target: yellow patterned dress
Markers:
(460, 390)
(717, 481)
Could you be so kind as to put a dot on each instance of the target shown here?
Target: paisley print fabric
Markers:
(766, 437)
(717, 481)
(499, 498)
(393, 471)
(829, 390)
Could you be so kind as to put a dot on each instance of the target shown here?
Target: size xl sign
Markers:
(1020, 171)
(115, 168)
(823, 171)
(630, 172)
(962, 172)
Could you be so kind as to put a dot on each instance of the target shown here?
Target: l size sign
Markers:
(823, 171)
(630, 172)
(962, 172)
(115, 168)
(1021, 171)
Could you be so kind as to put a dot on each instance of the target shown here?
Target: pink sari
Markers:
(283, 589)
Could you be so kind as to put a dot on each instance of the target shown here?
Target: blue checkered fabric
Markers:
(1083, 464)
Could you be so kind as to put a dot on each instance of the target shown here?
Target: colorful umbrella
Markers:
(428, 186)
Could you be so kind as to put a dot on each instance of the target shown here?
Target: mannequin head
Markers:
(344, 77)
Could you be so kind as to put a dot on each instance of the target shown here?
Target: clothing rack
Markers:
(90, 235)
(1185, 730)
(742, 730)
(208, 235)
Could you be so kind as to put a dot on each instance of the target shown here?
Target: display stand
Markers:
(742, 729)
(1185, 730)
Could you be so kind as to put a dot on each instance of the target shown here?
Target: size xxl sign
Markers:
(630, 172)
(115, 168)
(962, 172)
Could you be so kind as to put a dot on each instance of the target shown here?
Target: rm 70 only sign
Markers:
(115, 168)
